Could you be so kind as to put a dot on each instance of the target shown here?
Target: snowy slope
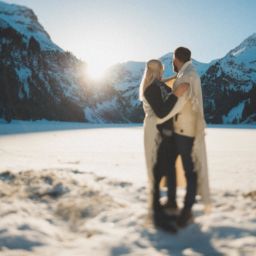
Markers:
(117, 99)
(167, 61)
(65, 191)
(25, 21)
(37, 78)
(230, 85)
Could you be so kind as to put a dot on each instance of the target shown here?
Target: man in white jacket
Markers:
(188, 122)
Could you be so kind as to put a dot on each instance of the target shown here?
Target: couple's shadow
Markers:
(192, 240)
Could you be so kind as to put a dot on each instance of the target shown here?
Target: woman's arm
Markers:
(160, 107)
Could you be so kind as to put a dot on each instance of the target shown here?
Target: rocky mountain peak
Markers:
(249, 44)
(24, 20)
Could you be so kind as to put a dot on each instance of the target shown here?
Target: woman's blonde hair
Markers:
(153, 70)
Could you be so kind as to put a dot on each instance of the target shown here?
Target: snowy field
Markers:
(74, 189)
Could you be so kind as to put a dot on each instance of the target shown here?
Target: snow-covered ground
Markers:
(80, 189)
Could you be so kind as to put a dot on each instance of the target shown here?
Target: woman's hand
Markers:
(181, 89)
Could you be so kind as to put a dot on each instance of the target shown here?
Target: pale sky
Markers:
(103, 32)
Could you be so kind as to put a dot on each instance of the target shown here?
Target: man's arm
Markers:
(181, 100)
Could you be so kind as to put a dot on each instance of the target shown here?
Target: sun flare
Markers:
(95, 71)
(104, 49)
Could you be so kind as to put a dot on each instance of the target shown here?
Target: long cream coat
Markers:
(190, 122)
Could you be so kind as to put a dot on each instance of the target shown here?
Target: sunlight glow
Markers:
(104, 49)
(95, 70)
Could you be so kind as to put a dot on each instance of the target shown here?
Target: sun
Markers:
(95, 70)
(98, 60)
(103, 50)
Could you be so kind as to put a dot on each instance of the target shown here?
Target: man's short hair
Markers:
(183, 54)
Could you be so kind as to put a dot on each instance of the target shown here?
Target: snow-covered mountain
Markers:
(117, 99)
(229, 86)
(24, 20)
(37, 78)
(167, 61)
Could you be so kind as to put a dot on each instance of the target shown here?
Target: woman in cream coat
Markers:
(158, 105)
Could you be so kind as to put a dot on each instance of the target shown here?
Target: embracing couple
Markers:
(174, 125)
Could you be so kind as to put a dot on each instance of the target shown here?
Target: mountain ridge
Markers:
(37, 78)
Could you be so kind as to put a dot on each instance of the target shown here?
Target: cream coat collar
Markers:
(185, 65)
